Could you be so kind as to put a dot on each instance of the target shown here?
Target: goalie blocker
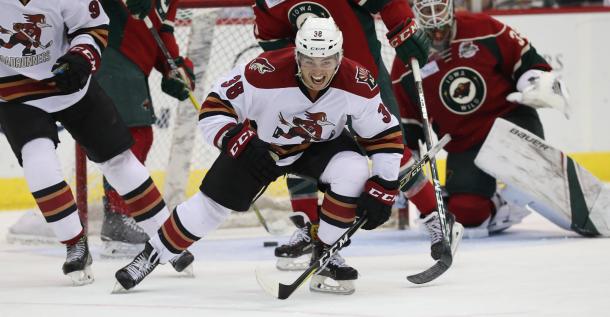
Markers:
(549, 182)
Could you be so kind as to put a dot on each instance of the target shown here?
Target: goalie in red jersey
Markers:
(479, 70)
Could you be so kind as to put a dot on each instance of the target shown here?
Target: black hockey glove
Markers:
(73, 69)
(376, 201)
(410, 41)
(173, 83)
(242, 143)
(138, 8)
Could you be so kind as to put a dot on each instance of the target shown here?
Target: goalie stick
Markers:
(446, 259)
(283, 291)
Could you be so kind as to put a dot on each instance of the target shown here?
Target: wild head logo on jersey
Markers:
(26, 33)
(261, 65)
(309, 128)
(462, 90)
(299, 12)
(363, 76)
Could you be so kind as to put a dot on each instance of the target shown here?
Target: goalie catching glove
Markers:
(376, 201)
(540, 89)
(242, 143)
(410, 42)
(173, 83)
(72, 70)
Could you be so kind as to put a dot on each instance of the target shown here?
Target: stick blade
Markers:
(270, 287)
(432, 273)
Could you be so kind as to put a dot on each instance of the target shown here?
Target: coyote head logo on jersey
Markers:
(26, 33)
(261, 65)
(363, 76)
(310, 128)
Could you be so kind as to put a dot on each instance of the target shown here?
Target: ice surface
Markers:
(534, 269)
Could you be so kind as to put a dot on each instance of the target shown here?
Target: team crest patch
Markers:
(467, 49)
(299, 12)
(261, 65)
(25, 35)
(364, 76)
(462, 90)
(308, 126)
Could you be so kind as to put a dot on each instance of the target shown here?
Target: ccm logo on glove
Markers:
(386, 198)
(404, 34)
(239, 142)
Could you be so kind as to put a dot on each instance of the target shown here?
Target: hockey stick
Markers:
(446, 258)
(170, 60)
(283, 291)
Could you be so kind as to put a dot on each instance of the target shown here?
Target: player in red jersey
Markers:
(276, 24)
(475, 64)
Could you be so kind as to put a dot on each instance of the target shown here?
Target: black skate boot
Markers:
(341, 274)
(133, 273)
(183, 263)
(78, 263)
(121, 235)
(433, 226)
(291, 256)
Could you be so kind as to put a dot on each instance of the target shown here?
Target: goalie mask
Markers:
(436, 18)
(319, 49)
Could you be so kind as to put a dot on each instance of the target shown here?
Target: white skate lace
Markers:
(140, 267)
(76, 251)
(337, 260)
(433, 225)
(131, 224)
(299, 235)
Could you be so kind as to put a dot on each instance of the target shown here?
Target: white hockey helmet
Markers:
(319, 37)
(433, 14)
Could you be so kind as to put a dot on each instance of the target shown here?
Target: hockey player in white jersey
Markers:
(45, 76)
(285, 111)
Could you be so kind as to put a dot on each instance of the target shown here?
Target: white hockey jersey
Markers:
(33, 35)
(266, 92)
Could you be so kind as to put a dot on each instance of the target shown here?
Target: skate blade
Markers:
(80, 278)
(120, 250)
(293, 264)
(322, 284)
(457, 234)
(118, 289)
(188, 272)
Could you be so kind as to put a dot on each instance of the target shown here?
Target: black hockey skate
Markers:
(300, 244)
(433, 226)
(183, 263)
(342, 276)
(121, 236)
(133, 273)
(78, 262)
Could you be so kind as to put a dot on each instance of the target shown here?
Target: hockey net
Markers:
(216, 36)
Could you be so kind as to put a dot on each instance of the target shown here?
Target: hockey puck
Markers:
(270, 244)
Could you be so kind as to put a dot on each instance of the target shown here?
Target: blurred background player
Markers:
(126, 64)
(42, 90)
(318, 89)
(474, 64)
(276, 24)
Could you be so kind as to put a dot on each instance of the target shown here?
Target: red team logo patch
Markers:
(364, 76)
(261, 65)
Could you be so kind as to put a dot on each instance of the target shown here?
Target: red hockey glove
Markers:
(73, 69)
(410, 41)
(243, 144)
(173, 83)
(376, 201)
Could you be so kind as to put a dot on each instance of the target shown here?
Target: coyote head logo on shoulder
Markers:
(261, 65)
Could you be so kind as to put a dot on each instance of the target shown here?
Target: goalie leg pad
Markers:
(555, 185)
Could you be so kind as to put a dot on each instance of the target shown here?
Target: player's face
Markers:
(317, 72)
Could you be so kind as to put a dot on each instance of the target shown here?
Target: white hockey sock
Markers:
(46, 182)
(132, 181)
(190, 221)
